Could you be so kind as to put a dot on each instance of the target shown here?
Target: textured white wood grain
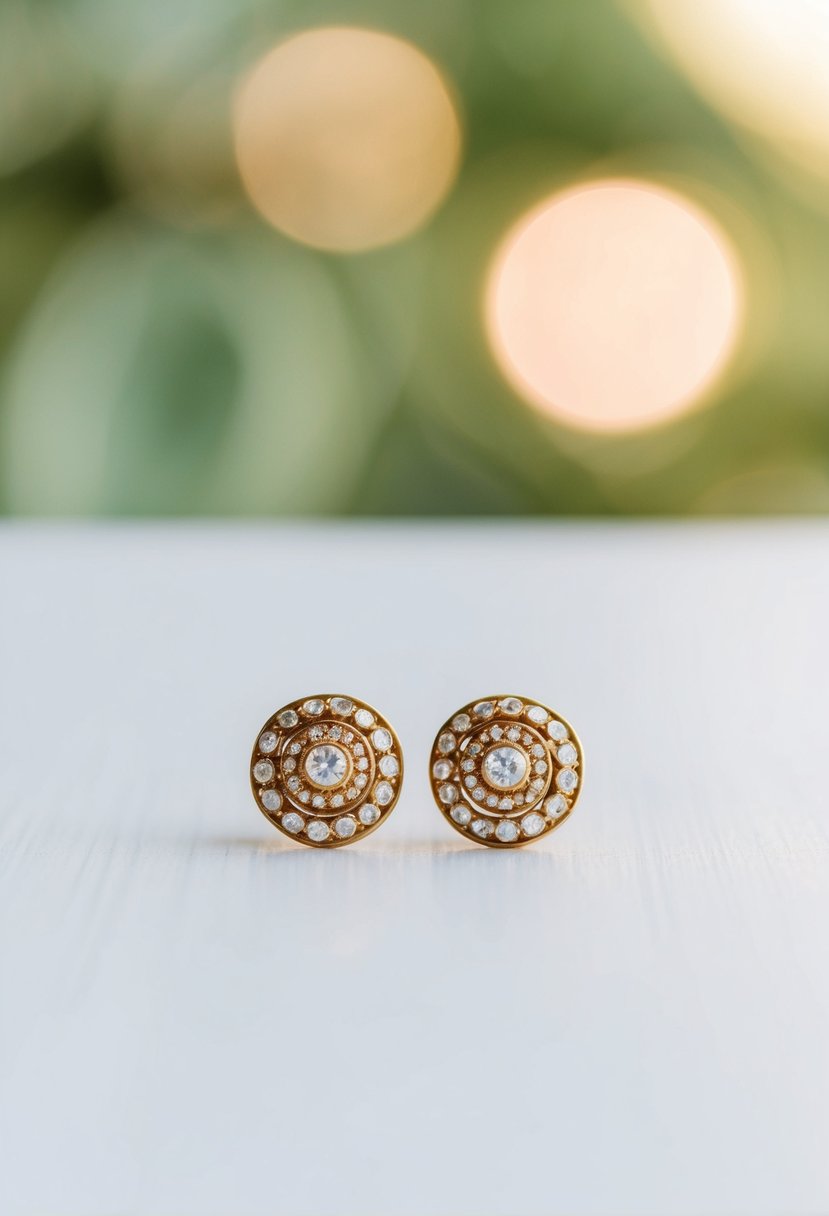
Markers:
(200, 1018)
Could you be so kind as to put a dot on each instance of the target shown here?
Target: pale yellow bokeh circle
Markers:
(614, 305)
(346, 139)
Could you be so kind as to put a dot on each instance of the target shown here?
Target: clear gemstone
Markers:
(478, 793)
(468, 766)
(337, 800)
(369, 814)
(511, 705)
(362, 764)
(326, 765)
(484, 709)
(358, 748)
(318, 801)
(442, 769)
(287, 719)
(514, 733)
(289, 764)
(539, 751)
(351, 792)
(567, 780)
(317, 830)
(507, 831)
(364, 718)
(505, 804)
(533, 824)
(446, 742)
(293, 822)
(448, 794)
(271, 800)
(555, 805)
(263, 771)
(497, 732)
(491, 800)
(381, 740)
(537, 784)
(316, 732)
(345, 827)
(342, 706)
(474, 749)
(294, 783)
(295, 749)
(505, 767)
(519, 799)
(361, 780)
(527, 739)
(540, 766)
(482, 828)
(557, 730)
(461, 815)
(470, 781)
(314, 706)
(536, 714)
(267, 741)
(335, 732)
(304, 796)
(389, 766)
(567, 754)
(384, 793)
(461, 722)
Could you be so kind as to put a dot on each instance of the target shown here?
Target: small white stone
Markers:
(461, 815)
(497, 732)
(351, 793)
(518, 799)
(295, 749)
(288, 764)
(474, 749)
(446, 742)
(507, 831)
(556, 730)
(362, 764)
(532, 824)
(316, 732)
(364, 718)
(567, 754)
(389, 766)
(539, 751)
(478, 793)
(484, 709)
(293, 822)
(470, 781)
(342, 706)
(345, 827)
(335, 732)
(537, 783)
(536, 714)
(287, 719)
(337, 800)
(514, 734)
(448, 794)
(567, 780)
(317, 830)
(318, 801)
(271, 800)
(381, 739)
(294, 783)
(555, 805)
(461, 722)
(369, 814)
(492, 800)
(383, 793)
(267, 741)
(326, 765)
(442, 769)
(263, 771)
(314, 706)
(540, 766)
(361, 780)
(505, 767)
(505, 804)
(304, 796)
(468, 766)
(511, 705)
(482, 828)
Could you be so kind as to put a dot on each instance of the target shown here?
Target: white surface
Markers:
(200, 1018)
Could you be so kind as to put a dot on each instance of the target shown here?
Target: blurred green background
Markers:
(170, 349)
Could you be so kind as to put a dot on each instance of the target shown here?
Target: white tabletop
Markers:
(202, 1018)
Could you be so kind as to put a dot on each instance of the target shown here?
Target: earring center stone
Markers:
(505, 767)
(326, 765)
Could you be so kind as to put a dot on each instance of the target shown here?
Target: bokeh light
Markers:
(765, 63)
(614, 305)
(346, 139)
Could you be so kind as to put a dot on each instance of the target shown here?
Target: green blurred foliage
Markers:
(164, 352)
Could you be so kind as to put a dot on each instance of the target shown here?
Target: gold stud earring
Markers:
(506, 770)
(326, 770)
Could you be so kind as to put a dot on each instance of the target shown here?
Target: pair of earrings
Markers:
(328, 770)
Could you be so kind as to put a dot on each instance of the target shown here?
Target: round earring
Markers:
(326, 770)
(505, 771)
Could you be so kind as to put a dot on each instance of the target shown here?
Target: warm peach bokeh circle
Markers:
(613, 306)
(346, 139)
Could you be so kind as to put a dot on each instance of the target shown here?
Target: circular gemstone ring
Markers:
(506, 770)
(326, 770)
